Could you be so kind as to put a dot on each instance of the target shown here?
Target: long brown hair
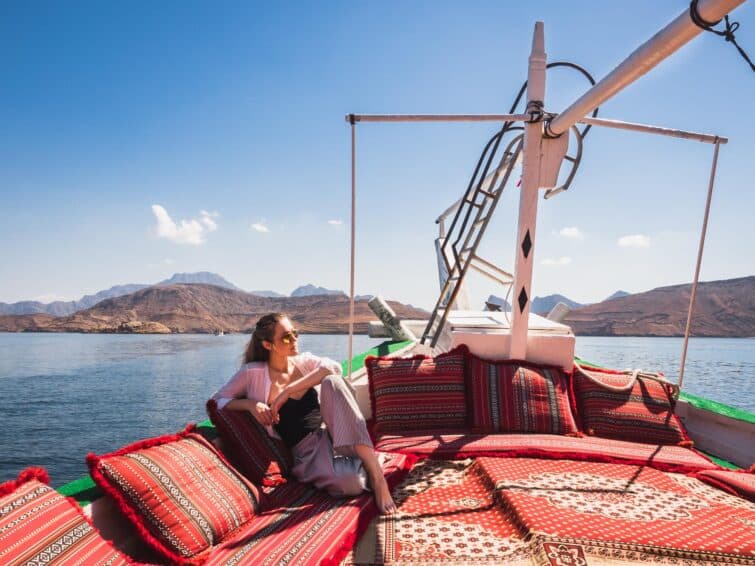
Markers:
(263, 331)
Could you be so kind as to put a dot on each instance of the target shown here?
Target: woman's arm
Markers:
(232, 396)
(301, 385)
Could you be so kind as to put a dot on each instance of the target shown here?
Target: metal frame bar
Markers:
(438, 117)
(603, 122)
(659, 130)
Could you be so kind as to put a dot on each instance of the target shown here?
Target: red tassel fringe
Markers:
(27, 475)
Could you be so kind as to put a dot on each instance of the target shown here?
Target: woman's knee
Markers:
(348, 485)
(349, 478)
(333, 382)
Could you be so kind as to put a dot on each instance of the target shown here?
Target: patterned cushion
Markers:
(669, 458)
(179, 492)
(418, 393)
(610, 406)
(510, 396)
(736, 482)
(261, 458)
(40, 526)
(306, 526)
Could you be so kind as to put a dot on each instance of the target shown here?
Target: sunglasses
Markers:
(290, 336)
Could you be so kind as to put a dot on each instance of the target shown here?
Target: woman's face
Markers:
(285, 338)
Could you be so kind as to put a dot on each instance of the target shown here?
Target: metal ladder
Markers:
(472, 216)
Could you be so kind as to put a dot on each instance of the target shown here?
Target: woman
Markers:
(276, 385)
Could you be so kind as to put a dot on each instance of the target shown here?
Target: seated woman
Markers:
(276, 385)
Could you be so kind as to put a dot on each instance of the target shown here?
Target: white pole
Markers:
(525, 241)
(642, 60)
(693, 295)
(353, 238)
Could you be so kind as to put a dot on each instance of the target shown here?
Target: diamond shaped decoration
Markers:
(522, 300)
(526, 244)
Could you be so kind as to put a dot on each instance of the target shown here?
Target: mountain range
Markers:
(723, 308)
(202, 308)
(65, 308)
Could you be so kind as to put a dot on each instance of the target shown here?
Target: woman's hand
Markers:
(278, 402)
(264, 414)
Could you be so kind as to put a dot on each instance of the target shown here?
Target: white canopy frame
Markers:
(716, 140)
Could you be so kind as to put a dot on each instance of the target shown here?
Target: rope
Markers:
(727, 33)
(353, 232)
(633, 375)
(703, 231)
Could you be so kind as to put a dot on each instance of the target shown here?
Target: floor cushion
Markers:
(40, 526)
(179, 492)
(511, 396)
(736, 482)
(305, 526)
(418, 393)
(261, 458)
(617, 405)
(592, 448)
(623, 512)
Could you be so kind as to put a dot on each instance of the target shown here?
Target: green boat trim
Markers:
(84, 490)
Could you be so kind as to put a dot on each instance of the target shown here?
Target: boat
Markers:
(488, 495)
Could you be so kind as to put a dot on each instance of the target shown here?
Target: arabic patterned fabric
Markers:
(644, 413)
(418, 393)
(506, 396)
(261, 458)
(178, 491)
(40, 526)
(622, 511)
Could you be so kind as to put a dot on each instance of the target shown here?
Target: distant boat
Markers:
(219, 332)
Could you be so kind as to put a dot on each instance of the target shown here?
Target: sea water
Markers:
(64, 395)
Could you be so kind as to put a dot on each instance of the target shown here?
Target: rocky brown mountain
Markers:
(204, 309)
(722, 308)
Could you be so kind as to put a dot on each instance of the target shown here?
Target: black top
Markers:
(298, 417)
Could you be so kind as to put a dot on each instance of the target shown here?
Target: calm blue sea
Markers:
(64, 395)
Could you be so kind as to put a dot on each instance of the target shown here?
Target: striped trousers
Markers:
(326, 457)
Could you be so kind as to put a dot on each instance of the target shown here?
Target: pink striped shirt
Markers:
(252, 381)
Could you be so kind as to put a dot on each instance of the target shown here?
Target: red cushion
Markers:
(306, 526)
(643, 412)
(418, 393)
(261, 458)
(511, 396)
(669, 458)
(736, 482)
(40, 526)
(179, 492)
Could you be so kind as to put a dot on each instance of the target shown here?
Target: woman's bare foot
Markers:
(374, 470)
(383, 498)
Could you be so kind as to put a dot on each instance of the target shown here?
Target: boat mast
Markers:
(542, 129)
(528, 196)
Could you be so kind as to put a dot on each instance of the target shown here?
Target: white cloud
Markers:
(634, 241)
(208, 219)
(192, 231)
(169, 261)
(560, 261)
(572, 232)
(335, 222)
(260, 227)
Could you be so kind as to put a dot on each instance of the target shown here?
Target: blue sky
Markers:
(146, 138)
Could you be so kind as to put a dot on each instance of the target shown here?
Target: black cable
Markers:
(727, 33)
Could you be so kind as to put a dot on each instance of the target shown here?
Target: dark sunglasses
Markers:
(290, 336)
